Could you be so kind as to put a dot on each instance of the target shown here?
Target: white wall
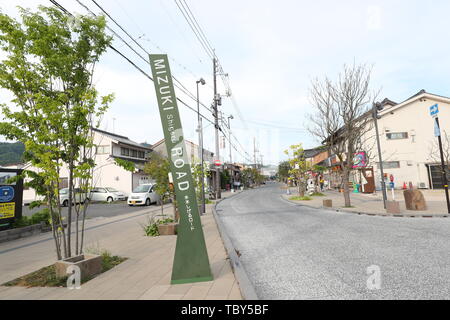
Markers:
(412, 153)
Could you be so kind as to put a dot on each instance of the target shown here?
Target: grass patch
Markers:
(46, 277)
(317, 194)
(297, 198)
(349, 207)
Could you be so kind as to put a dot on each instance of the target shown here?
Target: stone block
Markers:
(392, 207)
(328, 203)
(89, 264)
(414, 200)
(168, 229)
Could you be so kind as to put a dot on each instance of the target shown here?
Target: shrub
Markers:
(37, 218)
(151, 229)
(297, 198)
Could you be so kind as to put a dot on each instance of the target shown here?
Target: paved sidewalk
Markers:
(373, 204)
(145, 275)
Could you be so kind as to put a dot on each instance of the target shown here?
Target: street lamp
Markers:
(200, 143)
(230, 117)
(378, 107)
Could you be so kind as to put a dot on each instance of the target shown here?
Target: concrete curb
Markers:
(401, 215)
(247, 290)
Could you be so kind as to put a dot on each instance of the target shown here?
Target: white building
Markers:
(106, 172)
(406, 133)
(192, 150)
(193, 155)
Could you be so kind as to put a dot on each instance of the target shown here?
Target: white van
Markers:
(144, 194)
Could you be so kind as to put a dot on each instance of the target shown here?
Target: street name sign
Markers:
(434, 110)
(191, 263)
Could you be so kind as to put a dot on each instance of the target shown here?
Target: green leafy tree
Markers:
(196, 169)
(224, 179)
(283, 171)
(49, 70)
(251, 176)
(125, 164)
(299, 167)
(158, 168)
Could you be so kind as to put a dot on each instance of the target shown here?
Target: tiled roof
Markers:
(121, 139)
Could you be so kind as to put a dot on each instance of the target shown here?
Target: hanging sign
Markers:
(191, 262)
(359, 160)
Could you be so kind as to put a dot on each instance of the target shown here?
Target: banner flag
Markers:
(191, 263)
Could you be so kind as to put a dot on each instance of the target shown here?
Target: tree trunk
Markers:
(345, 181)
(54, 228)
(69, 211)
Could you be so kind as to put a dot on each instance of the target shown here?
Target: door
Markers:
(368, 174)
(437, 180)
(153, 195)
(101, 194)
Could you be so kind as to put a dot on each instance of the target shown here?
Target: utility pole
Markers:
(201, 153)
(231, 160)
(376, 107)
(254, 151)
(216, 124)
(444, 171)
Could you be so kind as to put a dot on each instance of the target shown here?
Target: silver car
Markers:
(106, 195)
(78, 196)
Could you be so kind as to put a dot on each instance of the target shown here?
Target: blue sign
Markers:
(434, 110)
(6, 194)
(392, 185)
(437, 130)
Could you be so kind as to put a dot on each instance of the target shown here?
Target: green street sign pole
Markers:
(191, 263)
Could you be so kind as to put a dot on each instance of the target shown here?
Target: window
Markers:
(141, 154)
(397, 135)
(102, 149)
(134, 153)
(63, 183)
(390, 165)
(124, 151)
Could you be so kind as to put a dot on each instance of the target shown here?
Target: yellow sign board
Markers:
(7, 210)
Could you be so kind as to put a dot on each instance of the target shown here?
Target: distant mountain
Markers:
(11, 152)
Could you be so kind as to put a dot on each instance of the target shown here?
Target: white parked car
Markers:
(144, 194)
(106, 194)
(78, 196)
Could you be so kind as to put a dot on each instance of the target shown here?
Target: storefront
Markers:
(435, 177)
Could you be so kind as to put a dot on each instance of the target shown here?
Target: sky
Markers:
(271, 50)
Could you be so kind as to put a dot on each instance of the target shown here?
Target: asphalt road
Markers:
(97, 209)
(294, 252)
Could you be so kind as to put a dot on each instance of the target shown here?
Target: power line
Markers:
(178, 84)
(210, 53)
(199, 27)
(130, 61)
(184, 89)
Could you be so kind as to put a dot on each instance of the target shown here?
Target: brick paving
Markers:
(145, 275)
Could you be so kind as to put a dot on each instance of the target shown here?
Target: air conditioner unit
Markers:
(422, 185)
